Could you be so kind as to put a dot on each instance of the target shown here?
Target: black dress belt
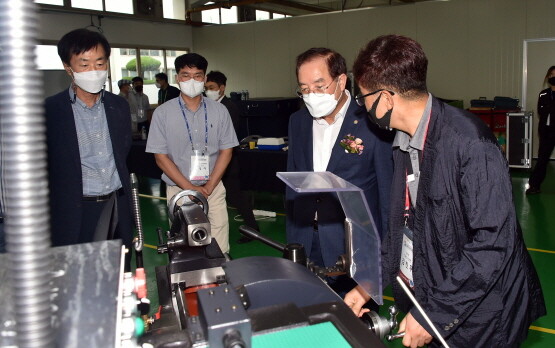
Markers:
(102, 198)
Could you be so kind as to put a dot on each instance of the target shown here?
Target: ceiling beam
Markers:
(301, 6)
(286, 3)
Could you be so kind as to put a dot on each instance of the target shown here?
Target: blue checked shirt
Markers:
(100, 176)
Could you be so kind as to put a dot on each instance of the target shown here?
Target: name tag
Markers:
(200, 169)
(405, 267)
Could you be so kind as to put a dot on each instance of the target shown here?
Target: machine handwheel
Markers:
(190, 197)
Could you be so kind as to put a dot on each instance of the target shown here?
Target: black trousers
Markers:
(94, 214)
(547, 144)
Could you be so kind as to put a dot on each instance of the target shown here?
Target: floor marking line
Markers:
(542, 329)
(153, 197)
(150, 246)
(541, 250)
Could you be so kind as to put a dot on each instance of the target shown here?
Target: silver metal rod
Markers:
(421, 310)
(390, 338)
(24, 175)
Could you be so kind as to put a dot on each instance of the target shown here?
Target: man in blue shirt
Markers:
(192, 138)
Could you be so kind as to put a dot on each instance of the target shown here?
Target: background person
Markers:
(139, 104)
(546, 132)
(192, 138)
(166, 91)
(124, 86)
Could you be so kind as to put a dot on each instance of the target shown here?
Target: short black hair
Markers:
(79, 41)
(192, 60)
(392, 62)
(137, 78)
(161, 76)
(217, 77)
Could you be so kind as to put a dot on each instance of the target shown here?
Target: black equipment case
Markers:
(519, 139)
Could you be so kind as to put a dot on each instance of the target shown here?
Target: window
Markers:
(211, 16)
(173, 9)
(220, 15)
(262, 15)
(120, 6)
(151, 64)
(277, 15)
(229, 15)
(50, 2)
(47, 58)
(88, 4)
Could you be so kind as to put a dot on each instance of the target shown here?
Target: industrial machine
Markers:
(208, 300)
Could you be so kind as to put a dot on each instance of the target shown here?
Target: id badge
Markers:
(405, 267)
(200, 168)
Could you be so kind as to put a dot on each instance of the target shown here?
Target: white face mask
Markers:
(214, 95)
(157, 85)
(90, 81)
(320, 105)
(191, 88)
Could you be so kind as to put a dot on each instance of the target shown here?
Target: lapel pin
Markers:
(356, 121)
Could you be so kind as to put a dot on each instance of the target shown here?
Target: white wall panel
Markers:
(231, 51)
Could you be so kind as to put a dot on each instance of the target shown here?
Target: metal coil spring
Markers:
(24, 174)
(139, 241)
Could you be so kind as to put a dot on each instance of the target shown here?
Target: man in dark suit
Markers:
(315, 137)
(215, 90)
(88, 138)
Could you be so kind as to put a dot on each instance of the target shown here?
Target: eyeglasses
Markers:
(360, 98)
(186, 77)
(318, 91)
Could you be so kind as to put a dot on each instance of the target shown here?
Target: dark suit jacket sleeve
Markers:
(383, 165)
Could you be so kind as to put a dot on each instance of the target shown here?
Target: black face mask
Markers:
(139, 89)
(551, 81)
(381, 122)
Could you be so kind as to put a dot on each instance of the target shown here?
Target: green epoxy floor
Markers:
(536, 215)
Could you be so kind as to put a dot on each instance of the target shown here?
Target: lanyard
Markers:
(189, 129)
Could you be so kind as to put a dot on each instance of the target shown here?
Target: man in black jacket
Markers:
(454, 238)
(166, 91)
(88, 138)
